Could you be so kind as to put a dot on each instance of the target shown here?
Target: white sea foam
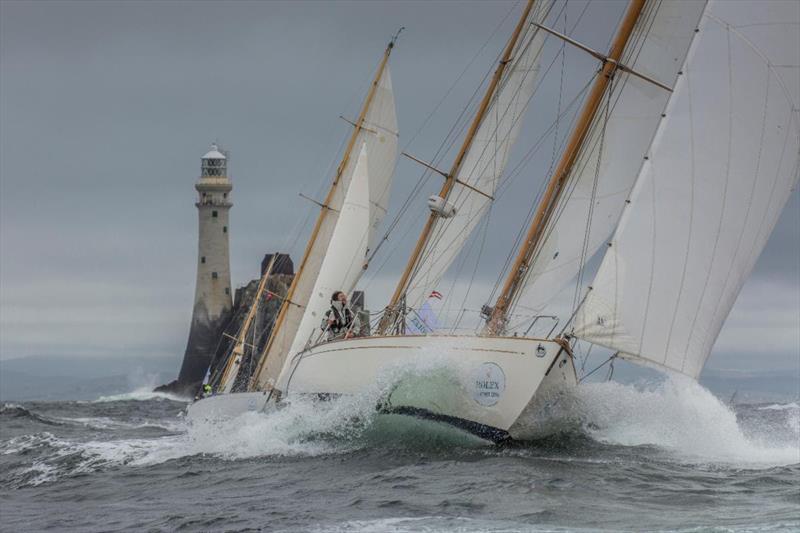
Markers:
(681, 416)
(140, 394)
(780, 407)
(438, 524)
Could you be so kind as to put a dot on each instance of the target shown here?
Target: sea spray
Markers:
(141, 394)
(678, 415)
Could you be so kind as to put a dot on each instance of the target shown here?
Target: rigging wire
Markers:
(598, 367)
(477, 263)
(455, 130)
(435, 239)
(632, 52)
(589, 215)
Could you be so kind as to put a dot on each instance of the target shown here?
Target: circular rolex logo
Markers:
(488, 383)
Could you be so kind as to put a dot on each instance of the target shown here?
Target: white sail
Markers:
(343, 265)
(483, 163)
(379, 137)
(609, 163)
(720, 170)
(380, 140)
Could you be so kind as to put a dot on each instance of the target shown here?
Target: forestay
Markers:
(720, 170)
(379, 138)
(483, 163)
(622, 130)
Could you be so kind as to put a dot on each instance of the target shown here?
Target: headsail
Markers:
(720, 170)
(376, 130)
(343, 265)
(606, 169)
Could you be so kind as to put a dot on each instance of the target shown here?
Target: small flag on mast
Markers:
(436, 294)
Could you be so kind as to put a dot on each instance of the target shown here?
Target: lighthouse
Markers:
(212, 296)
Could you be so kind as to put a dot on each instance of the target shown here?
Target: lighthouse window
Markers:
(213, 275)
(203, 259)
(224, 195)
(214, 214)
(227, 290)
(224, 229)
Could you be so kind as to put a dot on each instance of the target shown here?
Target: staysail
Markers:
(343, 266)
(606, 169)
(376, 132)
(484, 162)
(720, 170)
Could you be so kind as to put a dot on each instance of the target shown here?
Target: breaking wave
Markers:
(141, 394)
(684, 418)
(12, 410)
(677, 416)
(780, 407)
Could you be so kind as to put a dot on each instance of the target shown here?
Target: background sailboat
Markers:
(337, 251)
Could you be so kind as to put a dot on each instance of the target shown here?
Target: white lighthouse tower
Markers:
(212, 297)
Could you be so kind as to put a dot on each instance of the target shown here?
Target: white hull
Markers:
(492, 387)
(224, 406)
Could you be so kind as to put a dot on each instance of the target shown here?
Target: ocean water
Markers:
(667, 456)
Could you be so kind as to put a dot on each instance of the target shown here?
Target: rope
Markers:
(632, 51)
(598, 367)
(588, 230)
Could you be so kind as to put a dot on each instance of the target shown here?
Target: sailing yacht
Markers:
(336, 255)
(678, 164)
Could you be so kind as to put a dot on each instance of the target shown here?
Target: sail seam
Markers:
(724, 198)
(721, 304)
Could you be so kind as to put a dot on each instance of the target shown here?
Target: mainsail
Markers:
(606, 169)
(721, 168)
(484, 161)
(376, 131)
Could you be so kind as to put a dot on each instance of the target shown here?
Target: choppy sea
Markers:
(662, 457)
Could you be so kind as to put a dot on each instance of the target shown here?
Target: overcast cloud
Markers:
(106, 108)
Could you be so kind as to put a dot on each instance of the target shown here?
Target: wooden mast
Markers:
(357, 127)
(450, 177)
(238, 349)
(497, 320)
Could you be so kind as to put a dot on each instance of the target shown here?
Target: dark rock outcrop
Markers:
(210, 341)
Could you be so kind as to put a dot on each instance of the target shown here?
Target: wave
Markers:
(780, 407)
(684, 418)
(676, 415)
(54, 457)
(302, 428)
(12, 410)
(140, 395)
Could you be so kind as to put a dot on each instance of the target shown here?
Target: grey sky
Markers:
(106, 108)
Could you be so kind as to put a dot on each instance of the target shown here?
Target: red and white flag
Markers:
(436, 294)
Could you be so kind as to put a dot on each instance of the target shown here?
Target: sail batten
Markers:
(703, 207)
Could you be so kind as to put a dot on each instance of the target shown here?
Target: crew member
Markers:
(340, 321)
